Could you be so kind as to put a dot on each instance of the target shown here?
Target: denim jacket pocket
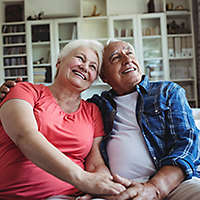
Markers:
(155, 119)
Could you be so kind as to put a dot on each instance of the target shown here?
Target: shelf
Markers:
(180, 35)
(152, 37)
(40, 43)
(178, 13)
(14, 55)
(14, 44)
(153, 58)
(13, 23)
(182, 80)
(13, 34)
(181, 58)
(15, 66)
(42, 65)
(14, 77)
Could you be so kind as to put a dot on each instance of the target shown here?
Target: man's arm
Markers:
(95, 163)
(167, 179)
(157, 188)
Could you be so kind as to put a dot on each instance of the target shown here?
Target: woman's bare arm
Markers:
(19, 123)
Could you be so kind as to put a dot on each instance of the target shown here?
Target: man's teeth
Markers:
(81, 75)
(129, 70)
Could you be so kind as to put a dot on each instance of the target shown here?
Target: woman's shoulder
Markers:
(27, 91)
(30, 87)
(90, 106)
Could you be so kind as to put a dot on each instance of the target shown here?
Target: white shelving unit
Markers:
(153, 45)
(14, 58)
(40, 45)
(163, 41)
(181, 47)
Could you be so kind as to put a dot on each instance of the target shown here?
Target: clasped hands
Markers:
(132, 191)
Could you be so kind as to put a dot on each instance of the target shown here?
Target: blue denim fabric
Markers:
(166, 122)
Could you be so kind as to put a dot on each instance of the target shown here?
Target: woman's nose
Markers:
(84, 67)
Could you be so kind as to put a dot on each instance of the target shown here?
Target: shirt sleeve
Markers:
(183, 150)
(24, 91)
(97, 121)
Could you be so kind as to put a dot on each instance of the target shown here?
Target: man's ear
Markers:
(104, 80)
(102, 76)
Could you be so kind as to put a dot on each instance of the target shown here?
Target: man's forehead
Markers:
(117, 47)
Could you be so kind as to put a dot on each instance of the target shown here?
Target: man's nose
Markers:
(126, 59)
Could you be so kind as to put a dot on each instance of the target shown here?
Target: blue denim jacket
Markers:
(166, 122)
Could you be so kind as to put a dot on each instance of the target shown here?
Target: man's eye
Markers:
(115, 59)
(80, 58)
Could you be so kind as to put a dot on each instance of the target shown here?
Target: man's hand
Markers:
(5, 88)
(138, 191)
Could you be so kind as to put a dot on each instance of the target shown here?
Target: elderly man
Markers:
(151, 137)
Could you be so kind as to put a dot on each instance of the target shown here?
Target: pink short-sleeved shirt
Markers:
(72, 134)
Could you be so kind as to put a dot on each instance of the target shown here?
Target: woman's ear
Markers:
(58, 63)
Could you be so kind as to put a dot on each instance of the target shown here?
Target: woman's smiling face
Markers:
(79, 68)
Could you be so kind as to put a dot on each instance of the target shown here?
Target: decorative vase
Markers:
(151, 6)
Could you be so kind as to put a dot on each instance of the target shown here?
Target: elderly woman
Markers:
(46, 133)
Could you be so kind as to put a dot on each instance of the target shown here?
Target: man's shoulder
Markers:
(163, 86)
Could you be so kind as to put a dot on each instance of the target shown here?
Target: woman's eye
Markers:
(130, 53)
(93, 67)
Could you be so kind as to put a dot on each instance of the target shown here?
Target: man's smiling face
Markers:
(120, 67)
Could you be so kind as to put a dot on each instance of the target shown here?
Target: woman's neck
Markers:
(68, 100)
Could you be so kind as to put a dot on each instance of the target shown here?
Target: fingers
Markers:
(19, 79)
(114, 189)
(5, 88)
(2, 95)
(10, 83)
(3, 91)
(85, 197)
(121, 180)
(130, 193)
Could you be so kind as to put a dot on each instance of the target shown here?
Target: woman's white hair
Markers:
(92, 44)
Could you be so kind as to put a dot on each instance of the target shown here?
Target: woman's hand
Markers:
(136, 191)
(116, 179)
(5, 88)
(97, 179)
(100, 184)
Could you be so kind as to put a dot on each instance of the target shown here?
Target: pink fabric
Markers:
(71, 133)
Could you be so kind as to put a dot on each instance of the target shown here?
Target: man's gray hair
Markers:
(93, 44)
(116, 40)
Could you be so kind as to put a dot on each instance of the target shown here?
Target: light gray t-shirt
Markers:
(127, 150)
